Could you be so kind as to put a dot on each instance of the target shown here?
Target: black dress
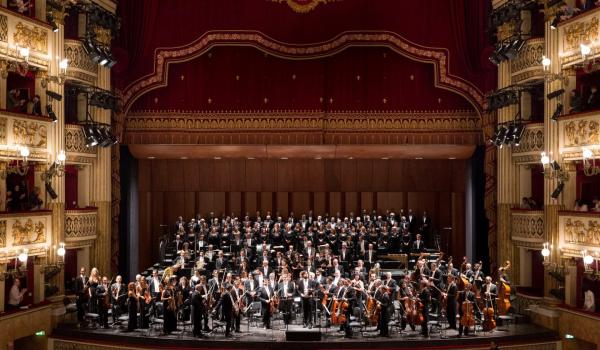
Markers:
(132, 306)
(144, 321)
(170, 317)
(93, 305)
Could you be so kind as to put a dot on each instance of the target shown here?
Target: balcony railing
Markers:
(528, 226)
(80, 224)
(577, 131)
(29, 230)
(531, 145)
(527, 65)
(75, 146)
(578, 231)
(81, 67)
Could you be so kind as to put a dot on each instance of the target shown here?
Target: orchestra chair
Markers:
(92, 319)
(186, 324)
(216, 326)
(156, 319)
(356, 322)
(254, 313)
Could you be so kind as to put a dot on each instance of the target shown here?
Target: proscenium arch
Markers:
(439, 57)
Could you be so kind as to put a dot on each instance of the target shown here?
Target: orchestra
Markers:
(326, 268)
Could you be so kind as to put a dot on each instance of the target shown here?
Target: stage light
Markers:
(500, 136)
(54, 26)
(557, 112)
(558, 190)
(51, 113)
(555, 166)
(54, 95)
(88, 133)
(555, 94)
(50, 190)
(555, 22)
(518, 131)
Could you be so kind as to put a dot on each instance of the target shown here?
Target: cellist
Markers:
(465, 295)
(490, 292)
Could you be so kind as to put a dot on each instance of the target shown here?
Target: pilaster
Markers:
(3, 81)
(2, 186)
(3, 268)
(39, 280)
(571, 284)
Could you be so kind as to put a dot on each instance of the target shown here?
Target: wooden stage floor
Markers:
(331, 338)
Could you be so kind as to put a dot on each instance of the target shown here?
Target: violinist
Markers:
(463, 296)
(478, 276)
(118, 294)
(214, 285)
(346, 293)
(425, 298)
(451, 293)
(265, 294)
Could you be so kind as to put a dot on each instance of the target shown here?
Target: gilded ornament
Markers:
(581, 133)
(80, 224)
(527, 225)
(3, 234)
(35, 38)
(3, 123)
(580, 32)
(3, 28)
(304, 6)
(582, 231)
(103, 35)
(29, 133)
(28, 233)
(75, 140)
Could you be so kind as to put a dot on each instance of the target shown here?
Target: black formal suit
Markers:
(197, 313)
(413, 224)
(418, 246)
(226, 304)
(101, 292)
(220, 263)
(370, 257)
(345, 256)
(305, 291)
(264, 295)
(451, 293)
(286, 292)
(82, 296)
(384, 315)
(425, 297)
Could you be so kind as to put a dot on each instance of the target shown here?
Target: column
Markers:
(551, 147)
(57, 137)
(570, 192)
(101, 183)
(38, 279)
(2, 185)
(83, 186)
(2, 286)
(3, 76)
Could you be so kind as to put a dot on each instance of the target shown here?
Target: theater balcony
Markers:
(527, 227)
(75, 145)
(531, 145)
(579, 132)
(526, 68)
(80, 226)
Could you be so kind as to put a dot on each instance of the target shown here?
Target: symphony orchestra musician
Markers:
(328, 266)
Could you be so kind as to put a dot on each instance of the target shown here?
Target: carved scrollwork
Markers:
(28, 233)
(80, 65)
(582, 231)
(3, 28)
(303, 6)
(29, 133)
(581, 133)
(3, 124)
(3, 234)
(80, 224)
(32, 37)
(528, 225)
(532, 140)
(580, 32)
(529, 58)
(75, 140)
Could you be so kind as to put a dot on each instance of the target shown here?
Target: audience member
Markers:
(593, 101)
(35, 203)
(36, 105)
(15, 297)
(580, 205)
(525, 203)
(576, 102)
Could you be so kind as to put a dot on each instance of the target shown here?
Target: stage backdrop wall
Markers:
(169, 188)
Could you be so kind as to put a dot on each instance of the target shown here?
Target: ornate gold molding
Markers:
(3, 28)
(304, 6)
(80, 224)
(75, 141)
(29, 133)
(32, 37)
(527, 225)
(532, 142)
(527, 64)
(81, 67)
(580, 32)
(437, 56)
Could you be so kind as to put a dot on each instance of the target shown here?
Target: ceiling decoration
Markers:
(304, 6)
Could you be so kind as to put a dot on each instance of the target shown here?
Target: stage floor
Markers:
(260, 338)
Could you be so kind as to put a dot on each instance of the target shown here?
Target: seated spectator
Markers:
(576, 102)
(35, 105)
(596, 206)
(21, 6)
(525, 203)
(35, 203)
(18, 199)
(593, 101)
(15, 103)
(15, 297)
(532, 203)
(9, 200)
(567, 11)
(580, 206)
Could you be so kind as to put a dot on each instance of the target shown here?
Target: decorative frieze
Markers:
(25, 230)
(531, 145)
(17, 32)
(578, 131)
(579, 231)
(585, 29)
(29, 133)
(527, 225)
(80, 224)
(526, 65)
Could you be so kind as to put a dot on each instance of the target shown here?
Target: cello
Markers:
(489, 323)
(503, 302)
(467, 319)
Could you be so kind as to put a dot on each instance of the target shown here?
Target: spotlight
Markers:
(555, 22)
(557, 112)
(494, 58)
(555, 166)
(558, 190)
(90, 137)
(500, 136)
(54, 27)
(51, 113)
(50, 190)
(518, 131)
(513, 48)
(555, 94)
(508, 138)
(54, 95)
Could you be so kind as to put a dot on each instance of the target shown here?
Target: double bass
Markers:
(468, 318)
(503, 301)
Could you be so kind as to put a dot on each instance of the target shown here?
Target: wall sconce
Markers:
(553, 169)
(550, 77)
(57, 168)
(589, 163)
(51, 269)
(546, 253)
